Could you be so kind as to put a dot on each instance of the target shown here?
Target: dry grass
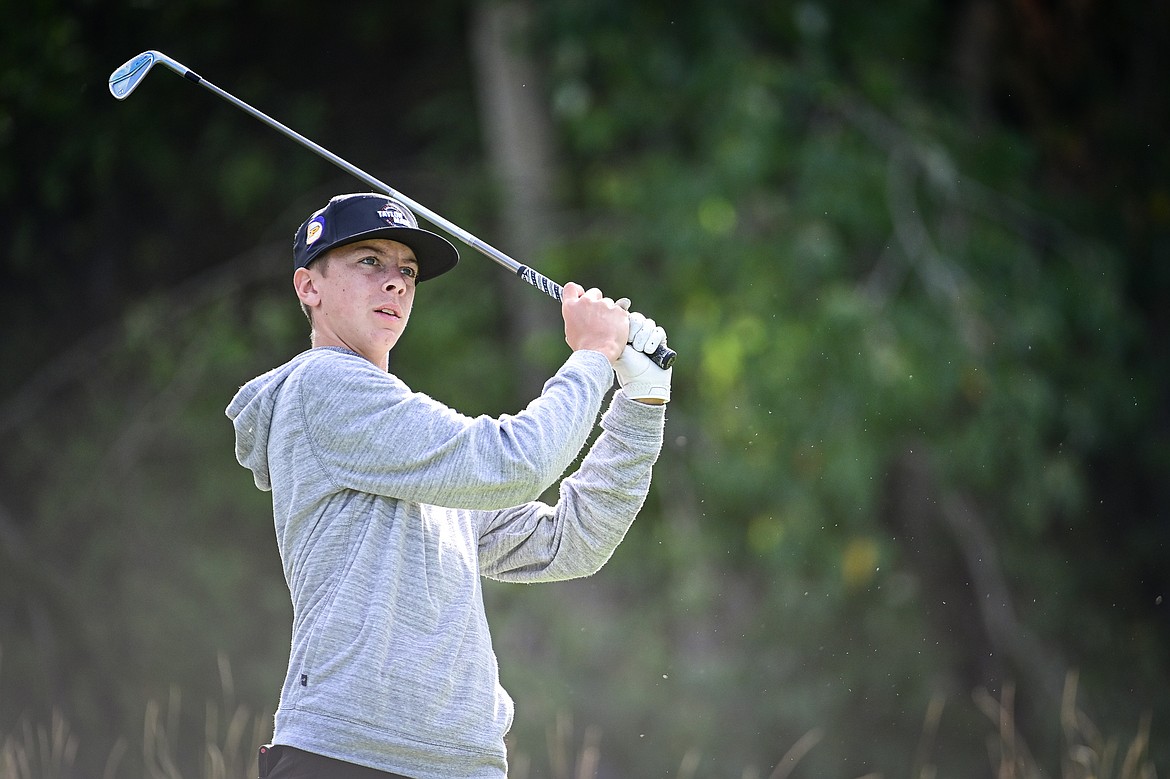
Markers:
(231, 736)
(39, 752)
(1086, 752)
(232, 732)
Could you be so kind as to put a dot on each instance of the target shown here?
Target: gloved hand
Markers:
(637, 375)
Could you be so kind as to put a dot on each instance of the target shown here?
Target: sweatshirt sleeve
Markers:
(596, 505)
(369, 432)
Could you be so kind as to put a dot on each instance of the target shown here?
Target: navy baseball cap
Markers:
(363, 216)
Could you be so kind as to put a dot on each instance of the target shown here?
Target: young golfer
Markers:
(389, 506)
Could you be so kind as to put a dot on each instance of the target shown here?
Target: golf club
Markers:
(125, 79)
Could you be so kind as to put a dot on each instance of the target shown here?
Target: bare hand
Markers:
(593, 321)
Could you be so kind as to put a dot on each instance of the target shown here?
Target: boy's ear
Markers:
(306, 288)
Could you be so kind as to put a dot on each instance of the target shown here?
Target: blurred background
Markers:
(911, 518)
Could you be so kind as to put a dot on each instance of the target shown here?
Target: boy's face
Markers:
(360, 296)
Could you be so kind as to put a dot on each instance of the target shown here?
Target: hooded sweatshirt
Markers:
(388, 508)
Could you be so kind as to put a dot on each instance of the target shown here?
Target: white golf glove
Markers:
(637, 374)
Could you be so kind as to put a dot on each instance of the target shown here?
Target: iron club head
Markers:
(125, 79)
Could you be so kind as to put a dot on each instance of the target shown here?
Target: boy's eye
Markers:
(371, 260)
(410, 271)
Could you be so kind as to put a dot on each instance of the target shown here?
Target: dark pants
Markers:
(291, 763)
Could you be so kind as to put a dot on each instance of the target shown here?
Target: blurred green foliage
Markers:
(918, 446)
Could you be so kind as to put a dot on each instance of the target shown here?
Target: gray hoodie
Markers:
(389, 507)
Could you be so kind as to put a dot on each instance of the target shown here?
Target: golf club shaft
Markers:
(129, 74)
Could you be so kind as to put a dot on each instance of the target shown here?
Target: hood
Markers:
(251, 414)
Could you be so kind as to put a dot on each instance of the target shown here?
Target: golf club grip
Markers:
(663, 356)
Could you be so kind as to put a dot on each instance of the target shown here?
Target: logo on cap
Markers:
(313, 232)
(397, 215)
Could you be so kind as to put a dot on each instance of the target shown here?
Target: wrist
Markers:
(605, 350)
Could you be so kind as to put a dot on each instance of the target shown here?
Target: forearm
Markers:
(595, 508)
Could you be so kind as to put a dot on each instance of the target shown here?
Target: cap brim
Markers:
(435, 254)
